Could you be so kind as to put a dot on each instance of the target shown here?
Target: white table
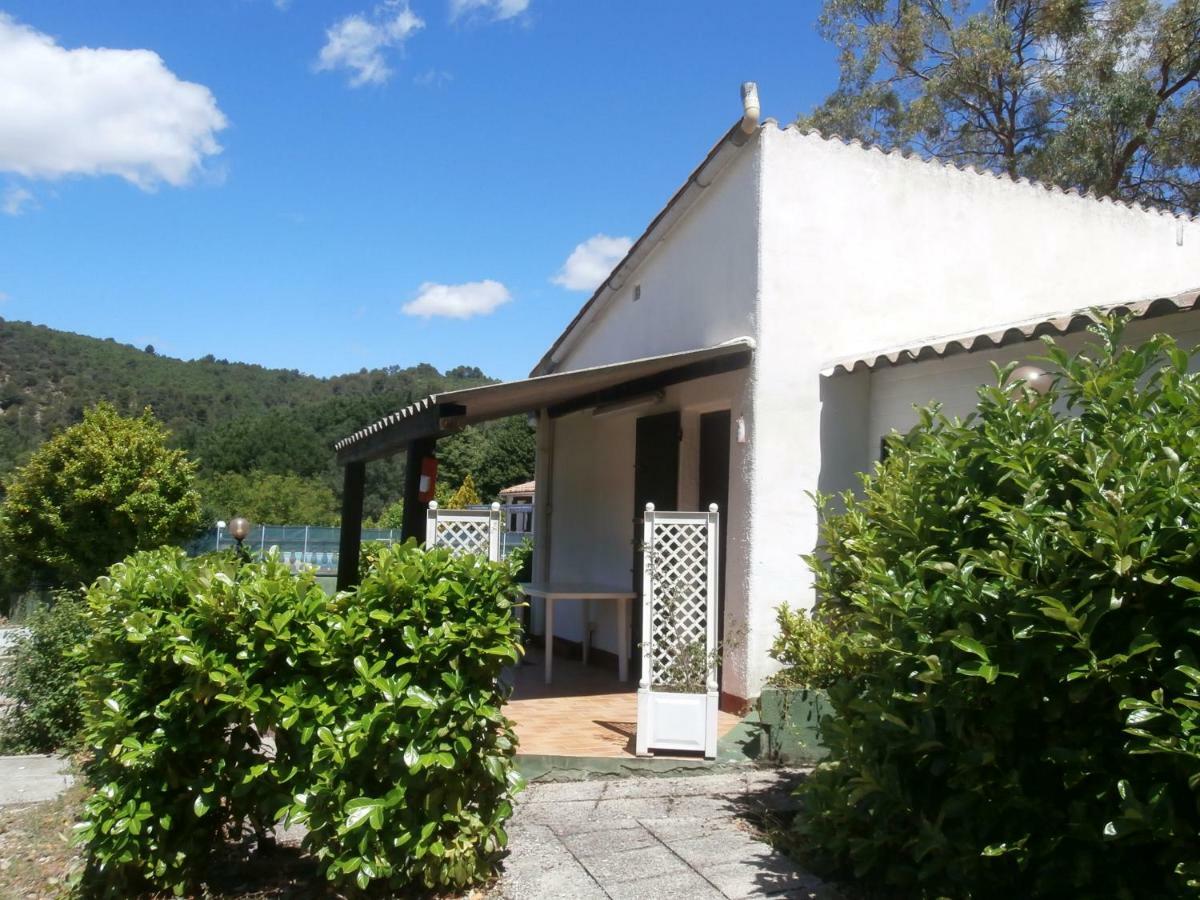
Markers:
(551, 592)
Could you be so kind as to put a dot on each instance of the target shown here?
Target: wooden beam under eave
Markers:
(391, 439)
(650, 383)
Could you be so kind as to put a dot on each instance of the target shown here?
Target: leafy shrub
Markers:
(42, 680)
(383, 705)
(183, 668)
(811, 649)
(94, 493)
(1023, 590)
(520, 560)
(412, 776)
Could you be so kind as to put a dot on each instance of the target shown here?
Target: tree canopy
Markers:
(1097, 95)
(269, 426)
(93, 494)
(268, 497)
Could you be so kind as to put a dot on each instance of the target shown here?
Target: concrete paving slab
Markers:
(719, 847)
(632, 865)
(32, 779)
(681, 828)
(676, 886)
(603, 843)
(558, 791)
(649, 837)
(762, 878)
(688, 786)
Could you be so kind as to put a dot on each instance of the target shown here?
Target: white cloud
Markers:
(15, 200)
(496, 10)
(591, 262)
(96, 111)
(4, 298)
(433, 78)
(357, 42)
(457, 301)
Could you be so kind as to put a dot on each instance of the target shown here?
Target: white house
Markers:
(788, 307)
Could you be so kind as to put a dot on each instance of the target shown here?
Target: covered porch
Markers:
(609, 439)
(585, 712)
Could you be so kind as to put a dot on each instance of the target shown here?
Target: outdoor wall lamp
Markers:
(1037, 380)
(239, 528)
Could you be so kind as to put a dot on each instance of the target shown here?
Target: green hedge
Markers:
(1019, 594)
(383, 706)
(41, 679)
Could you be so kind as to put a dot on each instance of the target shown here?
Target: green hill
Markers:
(239, 418)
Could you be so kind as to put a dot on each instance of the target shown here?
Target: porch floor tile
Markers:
(587, 711)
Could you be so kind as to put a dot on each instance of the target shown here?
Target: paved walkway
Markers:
(650, 838)
(32, 779)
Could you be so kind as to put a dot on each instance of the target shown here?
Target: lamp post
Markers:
(220, 526)
(239, 527)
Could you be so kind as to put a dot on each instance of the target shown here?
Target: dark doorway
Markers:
(655, 480)
(714, 488)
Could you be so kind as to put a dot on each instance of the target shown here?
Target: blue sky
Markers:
(285, 179)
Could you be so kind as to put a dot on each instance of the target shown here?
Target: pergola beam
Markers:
(354, 481)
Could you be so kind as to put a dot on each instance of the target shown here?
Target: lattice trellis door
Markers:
(677, 696)
(475, 531)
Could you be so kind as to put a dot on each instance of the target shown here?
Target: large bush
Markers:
(42, 680)
(91, 495)
(1022, 591)
(383, 705)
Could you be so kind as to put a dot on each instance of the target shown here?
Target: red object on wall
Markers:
(427, 487)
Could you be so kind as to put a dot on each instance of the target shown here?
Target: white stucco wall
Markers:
(592, 520)
(822, 251)
(861, 250)
(698, 285)
(895, 392)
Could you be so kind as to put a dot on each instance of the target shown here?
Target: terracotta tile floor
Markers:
(586, 712)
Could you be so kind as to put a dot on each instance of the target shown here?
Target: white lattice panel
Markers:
(678, 594)
(679, 629)
(474, 531)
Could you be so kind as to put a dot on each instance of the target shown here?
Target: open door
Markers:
(655, 480)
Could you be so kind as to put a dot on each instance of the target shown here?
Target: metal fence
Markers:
(313, 545)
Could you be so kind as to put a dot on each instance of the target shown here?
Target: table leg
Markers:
(549, 637)
(623, 638)
(587, 629)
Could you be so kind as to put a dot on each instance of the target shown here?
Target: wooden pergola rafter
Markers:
(416, 429)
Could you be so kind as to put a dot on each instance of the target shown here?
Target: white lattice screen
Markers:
(476, 531)
(679, 621)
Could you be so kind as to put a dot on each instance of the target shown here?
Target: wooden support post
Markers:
(413, 525)
(350, 541)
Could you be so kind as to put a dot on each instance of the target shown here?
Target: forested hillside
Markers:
(242, 420)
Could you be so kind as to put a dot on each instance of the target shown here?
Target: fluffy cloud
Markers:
(497, 10)
(99, 112)
(15, 200)
(358, 42)
(457, 301)
(591, 262)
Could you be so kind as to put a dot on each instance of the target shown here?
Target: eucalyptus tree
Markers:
(1097, 95)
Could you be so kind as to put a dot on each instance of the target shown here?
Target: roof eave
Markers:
(1012, 333)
